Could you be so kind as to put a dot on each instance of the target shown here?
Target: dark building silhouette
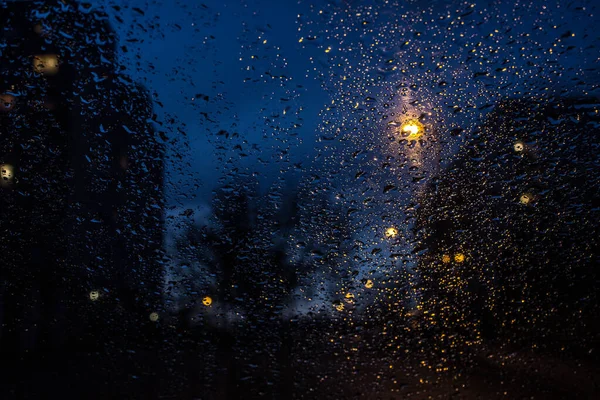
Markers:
(81, 193)
(508, 232)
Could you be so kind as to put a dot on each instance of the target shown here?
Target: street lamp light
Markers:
(413, 128)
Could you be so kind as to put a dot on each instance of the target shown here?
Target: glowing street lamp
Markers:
(391, 232)
(414, 129)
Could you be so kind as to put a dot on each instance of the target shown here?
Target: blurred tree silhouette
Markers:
(82, 212)
(509, 231)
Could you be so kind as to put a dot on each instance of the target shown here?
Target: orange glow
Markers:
(46, 64)
(445, 258)
(207, 301)
(413, 128)
(7, 102)
(459, 257)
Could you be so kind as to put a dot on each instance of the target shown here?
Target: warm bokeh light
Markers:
(369, 284)
(349, 298)
(525, 198)
(519, 147)
(339, 306)
(459, 257)
(391, 232)
(414, 129)
(207, 301)
(7, 102)
(154, 317)
(6, 171)
(46, 64)
(445, 258)
(94, 295)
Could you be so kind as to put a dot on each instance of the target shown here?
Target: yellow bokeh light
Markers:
(46, 64)
(459, 257)
(369, 284)
(519, 147)
(94, 295)
(414, 129)
(391, 232)
(525, 198)
(7, 172)
(339, 306)
(207, 301)
(445, 258)
(153, 317)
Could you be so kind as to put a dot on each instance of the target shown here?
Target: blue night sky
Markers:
(255, 60)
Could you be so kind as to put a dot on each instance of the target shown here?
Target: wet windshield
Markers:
(312, 199)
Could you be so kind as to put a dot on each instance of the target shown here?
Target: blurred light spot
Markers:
(519, 147)
(7, 102)
(6, 171)
(414, 129)
(339, 306)
(349, 298)
(46, 64)
(94, 295)
(207, 301)
(459, 257)
(369, 284)
(391, 232)
(153, 317)
(525, 198)
(445, 258)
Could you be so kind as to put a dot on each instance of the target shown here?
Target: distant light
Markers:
(46, 64)
(369, 284)
(349, 298)
(6, 172)
(339, 306)
(459, 257)
(525, 198)
(445, 258)
(413, 128)
(7, 102)
(153, 317)
(94, 295)
(519, 147)
(207, 301)
(391, 232)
